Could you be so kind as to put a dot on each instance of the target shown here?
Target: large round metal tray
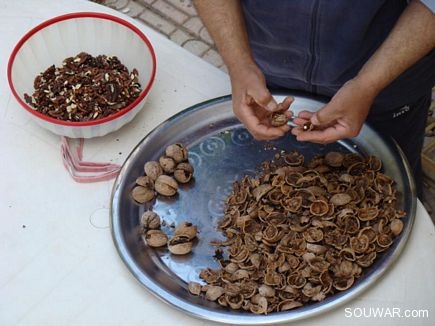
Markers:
(222, 151)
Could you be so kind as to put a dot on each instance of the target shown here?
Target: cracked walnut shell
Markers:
(177, 151)
(155, 238)
(299, 232)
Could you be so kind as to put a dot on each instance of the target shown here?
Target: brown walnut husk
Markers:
(301, 231)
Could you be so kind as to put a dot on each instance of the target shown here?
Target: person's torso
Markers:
(317, 45)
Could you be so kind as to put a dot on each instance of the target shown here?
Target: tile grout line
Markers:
(159, 15)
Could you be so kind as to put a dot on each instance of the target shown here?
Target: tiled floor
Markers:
(177, 20)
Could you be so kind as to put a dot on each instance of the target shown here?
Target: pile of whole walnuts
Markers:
(163, 176)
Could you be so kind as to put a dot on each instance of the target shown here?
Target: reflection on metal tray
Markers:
(222, 151)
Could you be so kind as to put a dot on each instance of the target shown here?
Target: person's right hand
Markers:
(253, 103)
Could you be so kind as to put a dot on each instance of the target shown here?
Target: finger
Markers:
(263, 98)
(285, 104)
(262, 132)
(258, 127)
(302, 118)
(324, 116)
(320, 136)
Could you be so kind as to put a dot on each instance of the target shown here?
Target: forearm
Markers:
(225, 22)
(411, 39)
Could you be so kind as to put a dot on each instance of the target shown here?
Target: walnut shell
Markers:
(155, 238)
(183, 172)
(180, 245)
(167, 163)
(150, 220)
(186, 229)
(214, 292)
(396, 226)
(278, 119)
(153, 169)
(142, 194)
(194, 288)
(145, 181)
(166, 185)
(177, 151)
(334, 159)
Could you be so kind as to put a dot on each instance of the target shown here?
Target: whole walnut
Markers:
(177, 151)
(142, 194)
(167, 163)
(153, 169)
(145, 181)
(150, 220)
(166, 185)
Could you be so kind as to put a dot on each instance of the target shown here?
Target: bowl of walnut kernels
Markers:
(82, 75)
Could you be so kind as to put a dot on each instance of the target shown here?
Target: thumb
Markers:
(264, 98)
(323, 117)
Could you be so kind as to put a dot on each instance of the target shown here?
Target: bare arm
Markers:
(252, 101)
(225, 23)
(411, 39)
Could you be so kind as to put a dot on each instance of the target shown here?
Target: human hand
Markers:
(253, 104)
(341, 118)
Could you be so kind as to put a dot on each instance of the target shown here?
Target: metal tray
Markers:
(222, 151)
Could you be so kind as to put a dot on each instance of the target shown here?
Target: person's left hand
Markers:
(343, 117)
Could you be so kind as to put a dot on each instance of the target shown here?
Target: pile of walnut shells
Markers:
(301, 231)
(163, 176)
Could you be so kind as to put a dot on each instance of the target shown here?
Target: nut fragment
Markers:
(278, 119)
(166, 185)
(307, 126)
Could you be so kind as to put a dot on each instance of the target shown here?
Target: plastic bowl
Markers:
(65, 36)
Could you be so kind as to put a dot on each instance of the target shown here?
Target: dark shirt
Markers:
(318, 45)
